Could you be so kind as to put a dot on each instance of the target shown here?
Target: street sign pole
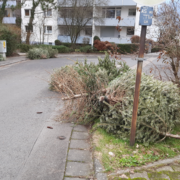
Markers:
(146, 14)
(137, 86)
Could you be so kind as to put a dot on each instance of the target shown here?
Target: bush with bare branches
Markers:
(167, 21)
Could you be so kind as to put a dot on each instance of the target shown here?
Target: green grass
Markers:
(127, 156)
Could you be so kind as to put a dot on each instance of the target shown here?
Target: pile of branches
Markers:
(82, 84)
(158, 112)
(106, 93)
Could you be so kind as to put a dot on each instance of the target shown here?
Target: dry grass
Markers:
(69, 84)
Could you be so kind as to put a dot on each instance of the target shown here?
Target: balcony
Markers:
(79, 40)
(113, 2)
(121, 3)
(126, 22)
(61, 22)
(9, 20)
(9, 4)
(122, 40)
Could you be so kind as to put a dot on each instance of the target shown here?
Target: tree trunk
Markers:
(2, 11)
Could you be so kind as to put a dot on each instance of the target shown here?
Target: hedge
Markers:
(127, 48)
(62, 49)
(25, 47)
(156, 49)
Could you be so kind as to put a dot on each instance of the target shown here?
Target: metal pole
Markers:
(93, 25)
(137, 86)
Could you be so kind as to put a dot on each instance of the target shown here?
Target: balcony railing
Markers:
(9, 20)
(121, 3)
(126, 22)
(61, 21)
(121, 40)
(80, 40)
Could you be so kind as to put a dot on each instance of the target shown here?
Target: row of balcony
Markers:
(126, 22)
(88, 39)
(110, 2)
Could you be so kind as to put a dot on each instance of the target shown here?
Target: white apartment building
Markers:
(106, 30)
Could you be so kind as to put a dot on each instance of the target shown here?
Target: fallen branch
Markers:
(75, 96)
(172, 135)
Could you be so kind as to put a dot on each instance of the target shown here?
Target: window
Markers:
(108, 31)
(88, 31)
(132, 12)
(27, 27)
(48, 29)
(6, 13)
(118, 12)
(27, 12)
(13, 14)
(111, 12)
(63, 31)
(66, 13)
(130, 31)
(48, 13)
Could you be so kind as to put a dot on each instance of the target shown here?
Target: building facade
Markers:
(48, 25)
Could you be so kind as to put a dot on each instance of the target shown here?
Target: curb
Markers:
(10, 63)
(99, 170)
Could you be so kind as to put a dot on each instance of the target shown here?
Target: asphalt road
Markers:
(24, 92)
(25, 139)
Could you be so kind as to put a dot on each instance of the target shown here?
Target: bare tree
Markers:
(40, 26)
(77, 14)
(45, 4)
(168, 23)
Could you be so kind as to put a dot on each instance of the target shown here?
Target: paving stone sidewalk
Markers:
(79, 165)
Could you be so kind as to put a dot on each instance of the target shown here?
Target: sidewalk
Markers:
(13, 60)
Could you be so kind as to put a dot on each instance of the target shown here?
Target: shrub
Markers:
(67, 44)
(42, 53)
(135, 39)
(97, 38)
(38, 53)
(99, 45)
(77, 50)
(1, 57)
(11, 35)
(57, 42)
(52, 52)
(127, 48)
(149, 41)
(86, 49)
(62, 49)
(25, 47)
(156, 49)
